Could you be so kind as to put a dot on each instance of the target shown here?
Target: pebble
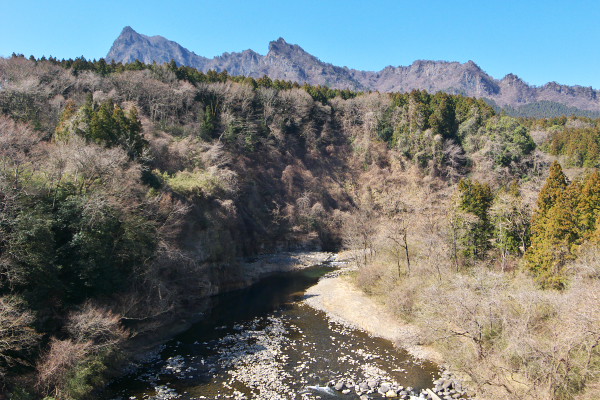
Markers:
(253, 355)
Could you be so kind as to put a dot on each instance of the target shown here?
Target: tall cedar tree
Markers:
(565, 217)
(476, 198)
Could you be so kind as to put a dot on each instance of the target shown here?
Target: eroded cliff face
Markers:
(436, 76)
(290, 62)
(131, 46)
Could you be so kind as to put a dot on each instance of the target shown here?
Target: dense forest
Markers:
(543, 109)
(129, 191)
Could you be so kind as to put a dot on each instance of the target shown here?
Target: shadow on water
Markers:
(313, 351)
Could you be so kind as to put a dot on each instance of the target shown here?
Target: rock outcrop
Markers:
(290, 62)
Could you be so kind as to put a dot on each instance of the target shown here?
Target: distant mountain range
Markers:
(290, 62)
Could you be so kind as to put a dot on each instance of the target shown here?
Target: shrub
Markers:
(58, 362)
(200, 183)
(100, 327)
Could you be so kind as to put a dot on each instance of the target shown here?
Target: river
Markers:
(263, 342)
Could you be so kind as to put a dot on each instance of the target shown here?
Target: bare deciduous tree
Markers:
(99, 326)
(395, 230)
(58, 362)
(359, 233)
(16, 334)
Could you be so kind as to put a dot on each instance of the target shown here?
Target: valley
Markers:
(145, 198)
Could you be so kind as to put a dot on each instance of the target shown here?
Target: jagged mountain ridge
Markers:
(290, 62)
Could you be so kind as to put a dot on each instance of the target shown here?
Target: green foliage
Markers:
(511, 218)
(385, 129)
(431, 124)
(323, 94)
(588, 209)
(555, 185)
(579, 146)
(198, 182)
(476, 197)
(509, 140)
(79, 248)
(566, 217)
(20, 393)
(475, 200)
(98, 247)
(443, 117)
(546, 109)
(22, 106)
(85, 378)
(209, 122)
(106, 124)
(63, 242)
(31, 246)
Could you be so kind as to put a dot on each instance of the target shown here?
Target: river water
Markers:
(263, 342)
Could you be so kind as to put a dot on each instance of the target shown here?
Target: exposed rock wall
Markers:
(290, 62)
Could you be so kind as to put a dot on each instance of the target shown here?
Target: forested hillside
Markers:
(131, 190)
(543, 109)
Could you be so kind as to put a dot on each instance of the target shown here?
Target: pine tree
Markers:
(133, 140)
(443, 118)
(589, 205)
(475, 200)
(103, 128)
(108, 126)
(555, 229)
(555, 185)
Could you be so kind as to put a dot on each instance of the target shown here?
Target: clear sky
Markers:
(540, 41)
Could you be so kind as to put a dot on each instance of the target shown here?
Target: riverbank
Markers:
(344, 303)
(263, 342)
(246, 273)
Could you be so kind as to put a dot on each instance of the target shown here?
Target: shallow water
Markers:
(264, 343)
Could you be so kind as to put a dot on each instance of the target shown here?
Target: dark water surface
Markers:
(264, 343)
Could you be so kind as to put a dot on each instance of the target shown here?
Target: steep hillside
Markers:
(131, 191)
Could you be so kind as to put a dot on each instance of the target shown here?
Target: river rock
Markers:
(339, 386)
(385, 387)
(391, 393)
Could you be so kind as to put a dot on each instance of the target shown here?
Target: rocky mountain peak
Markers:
(472, 65)
(291, 62)
(127, 37)
(513, 79)
(283, 48)
(128, 30)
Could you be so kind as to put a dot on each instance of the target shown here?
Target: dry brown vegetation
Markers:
(492, 323)
(95, 236)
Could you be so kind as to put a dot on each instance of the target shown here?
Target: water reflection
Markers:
(264, 343)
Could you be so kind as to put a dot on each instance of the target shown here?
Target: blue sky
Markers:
(540, 41)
